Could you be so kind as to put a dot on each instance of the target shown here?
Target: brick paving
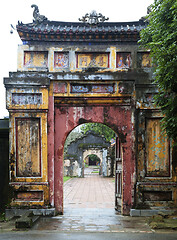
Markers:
(88, 208)
(92, 191)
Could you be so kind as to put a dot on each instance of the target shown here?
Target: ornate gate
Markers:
(73, 73)
(60, 85)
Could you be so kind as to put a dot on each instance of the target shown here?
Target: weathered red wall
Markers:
(67, 117)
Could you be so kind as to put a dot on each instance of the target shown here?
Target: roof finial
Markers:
(93, 18)
(37, 17)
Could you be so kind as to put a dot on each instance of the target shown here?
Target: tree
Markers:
(160, 37)
(100, 129)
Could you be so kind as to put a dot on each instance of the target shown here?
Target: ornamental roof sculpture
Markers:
(90, 28)
(37, 17)
(93, 18)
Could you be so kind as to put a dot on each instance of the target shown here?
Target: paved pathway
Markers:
(92, 191)
(88, 214)
(89, 207)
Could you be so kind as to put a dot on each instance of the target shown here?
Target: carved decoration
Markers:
(93, 18)
(37, 17)
(92, 88)
(26, 98)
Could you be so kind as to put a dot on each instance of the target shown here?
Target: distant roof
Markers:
(92, 28)
(4, 123)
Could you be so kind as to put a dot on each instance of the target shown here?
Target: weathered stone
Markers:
(84, 145)
(68, 75)
(27, 220)
(135, 213)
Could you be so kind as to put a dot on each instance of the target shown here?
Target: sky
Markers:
(12, 11)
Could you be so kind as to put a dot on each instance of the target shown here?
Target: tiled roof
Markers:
(45, 30)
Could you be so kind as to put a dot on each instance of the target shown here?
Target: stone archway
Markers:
(102, 155)
(97, 152)
(67, 117)
(93, 160)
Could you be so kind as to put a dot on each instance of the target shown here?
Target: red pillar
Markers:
(50, 145)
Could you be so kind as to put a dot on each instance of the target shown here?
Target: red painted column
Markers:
(61, 132)
(122, 117)
(128, 176)
(50, 145)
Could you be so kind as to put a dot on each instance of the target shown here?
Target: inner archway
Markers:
(115, 115)
(87, 159)
(93, 160)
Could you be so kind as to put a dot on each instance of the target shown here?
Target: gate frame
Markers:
(125, 131)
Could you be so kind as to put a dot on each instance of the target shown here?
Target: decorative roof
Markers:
(93, 18)
(93, 28)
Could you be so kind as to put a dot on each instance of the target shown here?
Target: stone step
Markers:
(149, 212)
(27, 220)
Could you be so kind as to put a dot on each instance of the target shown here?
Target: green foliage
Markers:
(66, 178)
(94, 159)
(90, 145)
(160, 37)
(71, 138)
(100, 129)
(71, 156)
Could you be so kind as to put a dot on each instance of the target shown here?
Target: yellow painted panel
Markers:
(20, 99)
(35, 59)
(28, 147)
(157, 150)
(30, 195)
(146, 60)
(93, 60)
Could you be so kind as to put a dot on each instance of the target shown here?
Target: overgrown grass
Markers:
(66, 178)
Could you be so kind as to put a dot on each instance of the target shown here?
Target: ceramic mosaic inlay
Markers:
(61, 60)
(124, 60)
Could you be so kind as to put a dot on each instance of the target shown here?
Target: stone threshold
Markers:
(150, 212)
(16, 212)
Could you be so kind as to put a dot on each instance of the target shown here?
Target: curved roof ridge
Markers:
(61, 31)
(124, 23)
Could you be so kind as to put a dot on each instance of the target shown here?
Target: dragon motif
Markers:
(93, 18)
(37, 17)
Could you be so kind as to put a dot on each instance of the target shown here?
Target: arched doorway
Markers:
(93, 160)
(113, 114)
(88, 151)
(87, 145)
